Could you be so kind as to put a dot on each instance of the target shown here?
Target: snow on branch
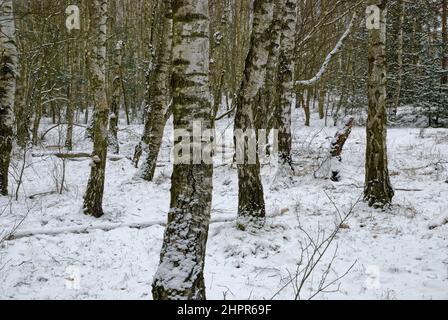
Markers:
(330, 56)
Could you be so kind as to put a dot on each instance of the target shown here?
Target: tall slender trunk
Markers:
(159, 93)
(378, 190)
(70, 110)
(93, 197)
(116, 98)
(180, 274)
(265, 114)
(8, 74)
(37, 115)
(21, 108)
(251, 205)
(445, 40)
(285, 79)
(306, 107)
(399, 57)
(321, 99)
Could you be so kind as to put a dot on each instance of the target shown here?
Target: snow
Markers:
(61, 253)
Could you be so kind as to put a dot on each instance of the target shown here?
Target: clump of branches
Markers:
(312, 252)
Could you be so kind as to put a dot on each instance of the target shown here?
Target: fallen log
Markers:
(396, 189)
(112, 226)
(73, 155)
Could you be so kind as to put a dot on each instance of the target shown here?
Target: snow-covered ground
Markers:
(60, 253)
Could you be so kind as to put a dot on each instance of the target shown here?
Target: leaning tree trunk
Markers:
(286, 86)
(93, 197)
(180, 272)
(8, 73)
(378, 190)
(251, 205)
(116, 97)
(159, 94)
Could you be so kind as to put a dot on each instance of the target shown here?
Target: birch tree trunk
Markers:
(251, 205)
(93, 197)
(180, 272)
(116, 98)
(266, 111)
(71, 105)
(8, 74)
(285, 79)
(159, 93)
(22, 112)
(400, 57)
(378, 190)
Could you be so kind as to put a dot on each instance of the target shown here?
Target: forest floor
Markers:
(59, 253)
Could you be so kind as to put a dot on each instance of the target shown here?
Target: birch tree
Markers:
(116, 98)
(285, 80)
(266, 111)
(378, 191)
(71, 103)
(180, 272)
(93, 197)
(251, 205)
(159, 93)
(402, 6)
(8, 73)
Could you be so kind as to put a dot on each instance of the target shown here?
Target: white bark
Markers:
(287, 45)
(8, 74)
(329, 57)
(180, 272)
(93, 197)
(251, 205)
